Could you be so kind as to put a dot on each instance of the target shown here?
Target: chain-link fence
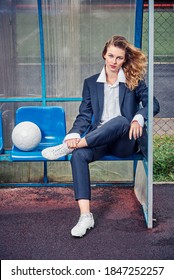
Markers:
(163, 87)
(164, 65)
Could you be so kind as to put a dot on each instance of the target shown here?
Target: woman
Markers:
(111, 119)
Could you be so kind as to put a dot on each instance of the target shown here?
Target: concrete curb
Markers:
(163, 183)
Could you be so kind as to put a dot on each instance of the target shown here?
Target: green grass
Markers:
(163, 164)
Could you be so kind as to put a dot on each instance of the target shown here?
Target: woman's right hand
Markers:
(72, 143)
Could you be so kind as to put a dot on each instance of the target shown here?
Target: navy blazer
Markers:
(132, 102)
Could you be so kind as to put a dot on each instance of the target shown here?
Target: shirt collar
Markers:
(102, 76)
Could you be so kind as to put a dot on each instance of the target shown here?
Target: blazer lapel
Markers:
(100, 95)
(122, 91)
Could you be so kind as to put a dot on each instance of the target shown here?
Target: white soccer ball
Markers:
(26, 136)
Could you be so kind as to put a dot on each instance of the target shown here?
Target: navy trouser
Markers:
(110, 138)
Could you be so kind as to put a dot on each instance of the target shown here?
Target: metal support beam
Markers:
(150, 113)
(42, 51)
(138, 23)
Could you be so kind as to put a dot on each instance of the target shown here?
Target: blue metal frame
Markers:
(43, 99)
(46, 183)
(138, 23)
(42, 52)
(37, 99)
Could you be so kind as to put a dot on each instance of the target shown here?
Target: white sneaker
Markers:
(85, 222)
(56, 152)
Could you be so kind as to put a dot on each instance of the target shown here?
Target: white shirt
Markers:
(111, 108)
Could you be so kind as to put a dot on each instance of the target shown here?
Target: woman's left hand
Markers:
(135, 131)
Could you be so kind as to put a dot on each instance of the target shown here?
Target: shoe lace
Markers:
(57, 149)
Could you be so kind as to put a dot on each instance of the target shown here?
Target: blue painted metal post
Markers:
(138, 24)
(42, 52)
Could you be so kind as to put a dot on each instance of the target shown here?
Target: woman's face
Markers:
(114, 59)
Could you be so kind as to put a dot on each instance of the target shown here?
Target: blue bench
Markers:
(52, 122)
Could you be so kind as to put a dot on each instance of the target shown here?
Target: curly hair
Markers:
(135, 64)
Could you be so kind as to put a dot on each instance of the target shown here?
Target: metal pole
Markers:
(138, 23)
(150, 112)
(42, 52)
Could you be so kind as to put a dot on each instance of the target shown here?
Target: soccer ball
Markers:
(26, 136)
